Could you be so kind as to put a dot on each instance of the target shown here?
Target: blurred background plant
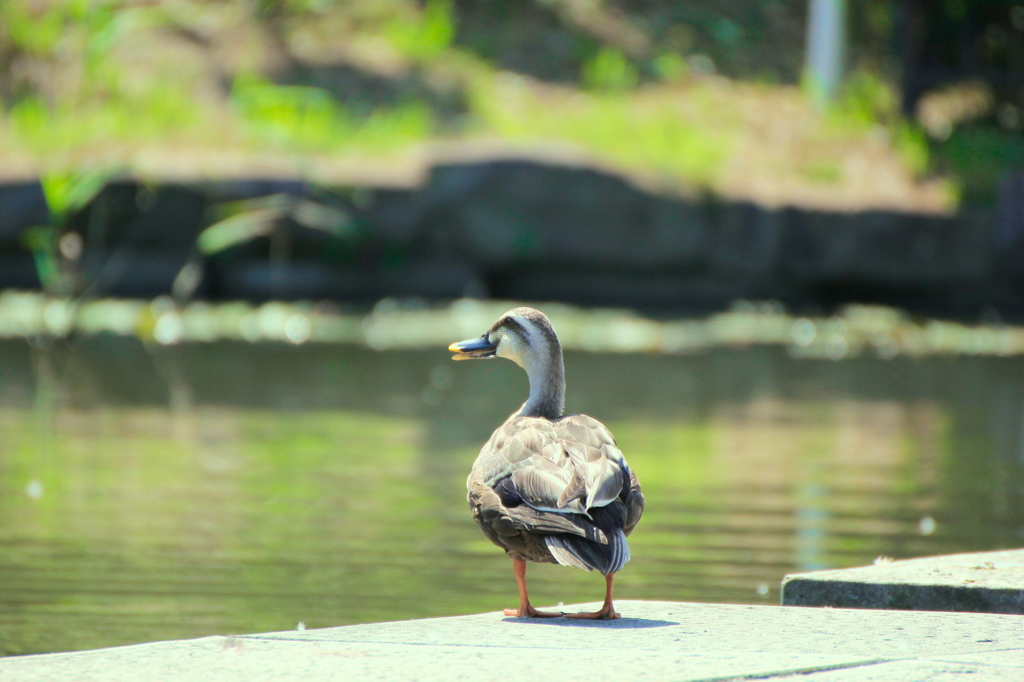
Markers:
(65, 192)
(184, 87)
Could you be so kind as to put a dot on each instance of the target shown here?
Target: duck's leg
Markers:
(525, 610)
(607, 611)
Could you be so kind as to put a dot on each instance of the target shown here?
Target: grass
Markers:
(308, 119)
(125, 92)
(128, 89)
(259, 115)
(640, 131)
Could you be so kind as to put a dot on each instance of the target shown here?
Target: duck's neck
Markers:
(547, 385)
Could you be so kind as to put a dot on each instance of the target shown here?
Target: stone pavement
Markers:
(984, 582)
(652, 641)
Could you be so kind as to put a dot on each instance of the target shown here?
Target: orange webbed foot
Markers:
(528, 611)
(606, 613)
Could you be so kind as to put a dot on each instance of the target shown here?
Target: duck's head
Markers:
(523, 335)
(526, 337)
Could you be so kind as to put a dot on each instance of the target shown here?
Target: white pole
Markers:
(826, 38)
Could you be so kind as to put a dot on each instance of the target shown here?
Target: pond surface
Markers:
(153, 492)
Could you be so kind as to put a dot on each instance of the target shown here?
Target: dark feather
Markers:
(607, 557)
(507, 492)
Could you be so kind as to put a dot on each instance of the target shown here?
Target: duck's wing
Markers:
(496, 516)
(564, 479)
(601, 472)
(610, 491)
(517, 480)
(525, 461)
(567, 466)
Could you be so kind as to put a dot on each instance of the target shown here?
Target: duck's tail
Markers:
(579, 552)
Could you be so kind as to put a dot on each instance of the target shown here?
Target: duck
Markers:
(549, 487)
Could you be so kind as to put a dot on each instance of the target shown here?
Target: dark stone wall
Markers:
(525, 230)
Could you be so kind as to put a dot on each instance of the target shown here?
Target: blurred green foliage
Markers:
(639, 134)
(66, 192)
(427, 38)
(105, 101)
(670, 67)
(309, 119)
(610, 70)
(107, 82)
(980, 156)
(868, 102)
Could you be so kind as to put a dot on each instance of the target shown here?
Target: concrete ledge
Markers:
(653, 641)
(985, 582)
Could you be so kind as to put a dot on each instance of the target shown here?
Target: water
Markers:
(151, 492)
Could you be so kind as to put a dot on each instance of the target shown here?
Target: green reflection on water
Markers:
(227, 488)
(145, 527)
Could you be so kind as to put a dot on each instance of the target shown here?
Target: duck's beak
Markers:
(480, 347)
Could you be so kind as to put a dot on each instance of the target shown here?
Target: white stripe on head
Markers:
(534, 337)
(524, 342)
